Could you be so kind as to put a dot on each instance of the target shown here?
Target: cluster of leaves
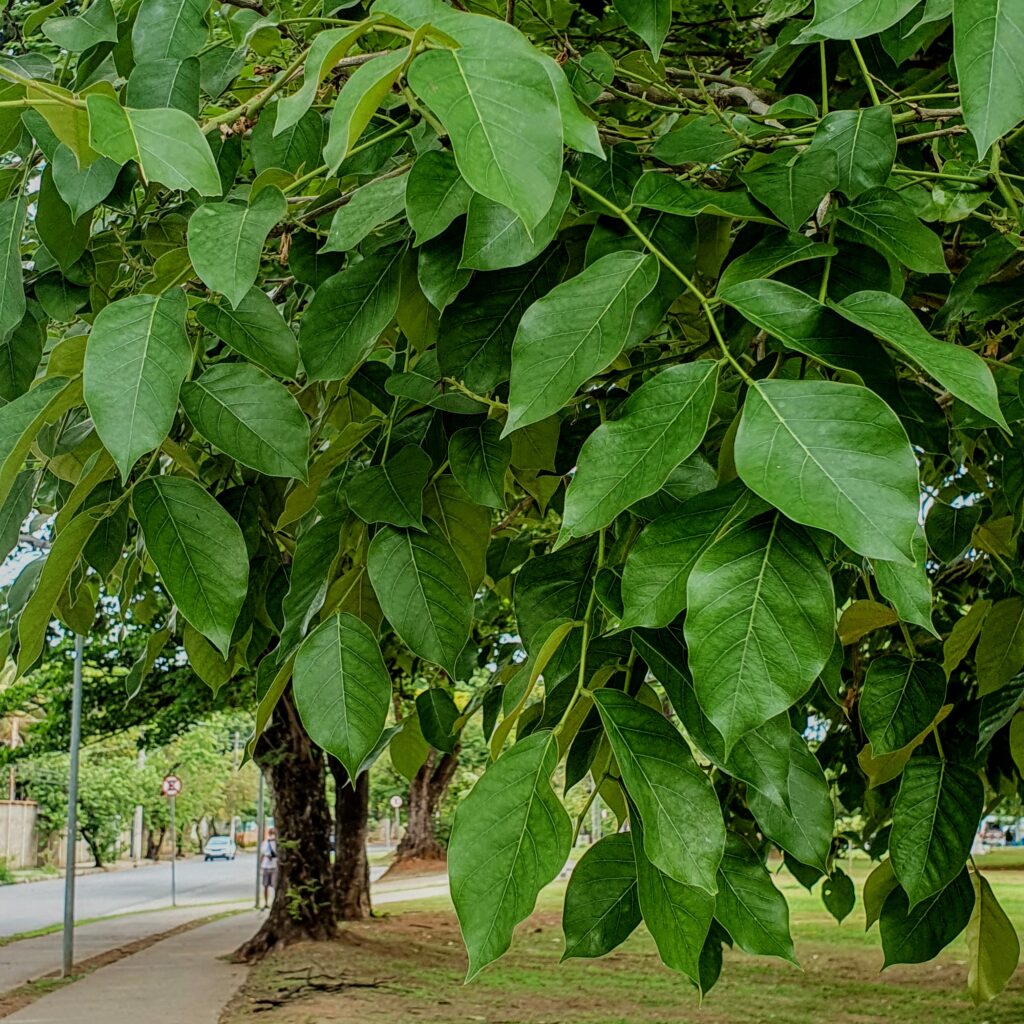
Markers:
(646, 363)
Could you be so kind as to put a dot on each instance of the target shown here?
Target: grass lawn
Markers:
(409, 965)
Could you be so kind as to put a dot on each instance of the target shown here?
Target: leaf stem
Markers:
(824, 78)
(868, 80)
(1004, 188)
(260, 100)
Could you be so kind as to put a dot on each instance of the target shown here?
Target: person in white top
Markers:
(268, 865)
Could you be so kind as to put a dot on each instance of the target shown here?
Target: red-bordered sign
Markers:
(171, 785)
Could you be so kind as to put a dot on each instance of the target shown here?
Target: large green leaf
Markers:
(988, 39)
(348, 314)
(225, 241)
(933, 823)
(374, 204)
(479, 458)
(165, 83)
(573, 332)
(632, 455)
(137, 358)
(958, 369)
(900, 697)
(659, 564)
(864, 142)
(511, 836)
(465, 524)
(251, 417)
(853, 19)
(424, 592)
(12, 290)
(886, 220)
(793, 186)
(342, 689)
(169, 28)
(993, 948)
(15, 510)
(601, 904)
(677, 915)
(254, 329)
(749, 906)
(97, 24)
(435, 194)
(479, 92)
(649, 19)
(393, 492)
(832, 456)
(314, 564)
(438, 714)
(761, 624)
(683, 831)
(199, 551)
(912, 935)
(908, 587)
(776, 251)
(1000, 653)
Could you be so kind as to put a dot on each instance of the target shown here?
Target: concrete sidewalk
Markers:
(183, 978)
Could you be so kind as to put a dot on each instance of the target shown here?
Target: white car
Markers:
(219, 848)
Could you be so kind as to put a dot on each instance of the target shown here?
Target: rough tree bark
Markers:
(154, 843)
(425, 793)
(351, 865)
(304, 904)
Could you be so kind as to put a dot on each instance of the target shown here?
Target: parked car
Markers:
(219, 848)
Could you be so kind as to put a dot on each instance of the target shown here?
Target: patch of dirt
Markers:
(415, 866)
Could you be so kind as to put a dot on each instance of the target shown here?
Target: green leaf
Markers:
(833, 456)
(963, 634)
(702, 140)
(479, 458)
(958, 369)
(225, 241)
(435, 194)
(65, 238)
(949, 529)
(478, 92)
(987, 43)
(677, 915)
(61, 559)
(579, 131)
(673, 195)
(15, 510)
(205, 660)
(477, 330)
(573, 332)
(437, 714)
(168, 144)
(1000, 653)
(853, 19)
(295, 149)
(649, 19)
(993, 949)
(165, 83)
(314, 564)
(198, 550)
(251, 417)
(602, 907)
(908, 587)
(632, 455)
(776, 251)
(877, 887)
(408, 749)
(838, 894)
(883, 218)
(804, 325)
(393, 492)
(511, 836)
(496, 238)
(864, 142)
(97, 24)
(899, 698)
(342, 689)
(423, 591)
(761, 624)
(933, 824)
(659, 564)
(466, 525)
(683, 831)
(327, 48)
(137, 358)
(915, 935)
(12, 289)
(749, 906)
(82, 189)
(348, 314)
(169, 28)
(792, 187)
(254, 329)
(370, 206)
(361, 95)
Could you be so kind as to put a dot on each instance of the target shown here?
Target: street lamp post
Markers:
(68, 960)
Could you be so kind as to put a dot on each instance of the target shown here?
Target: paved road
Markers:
(39, 904)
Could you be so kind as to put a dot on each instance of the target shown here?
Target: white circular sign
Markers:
(171, 785)
(396, 802)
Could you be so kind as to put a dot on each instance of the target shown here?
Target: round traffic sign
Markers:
(396, 802)
(171, 785)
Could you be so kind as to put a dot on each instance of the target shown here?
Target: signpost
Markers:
(396, 803)
(170, 788)
(68, 958)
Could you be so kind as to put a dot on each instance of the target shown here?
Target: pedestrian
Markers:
(268, 865)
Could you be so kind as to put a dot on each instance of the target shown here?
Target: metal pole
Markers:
(174, 856)
(68, 960)
(259, 835)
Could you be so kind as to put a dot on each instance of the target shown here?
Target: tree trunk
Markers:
(304, 906)
(351, 865)
(425, 793)
(154, 843)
